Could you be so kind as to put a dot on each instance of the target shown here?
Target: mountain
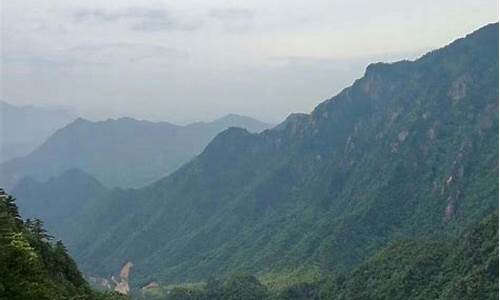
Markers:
(409, 151)
(465, 268)
(32, 265)
(462, 268)
(122, 152)
(23, 128)
(59, 200)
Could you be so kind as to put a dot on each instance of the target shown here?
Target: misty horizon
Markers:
(186, 62)
(249, 150)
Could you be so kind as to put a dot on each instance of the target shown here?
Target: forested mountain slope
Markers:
(34, 267)
(409, 150)
(465, 268)
(59, 200)
(122, 152)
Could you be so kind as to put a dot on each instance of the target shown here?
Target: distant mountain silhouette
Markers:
(23, 128)
(120, 152)
(58, 200)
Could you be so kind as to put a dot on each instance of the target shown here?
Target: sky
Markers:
(184, 61)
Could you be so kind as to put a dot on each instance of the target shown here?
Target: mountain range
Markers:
(119, 152)
(23, 128)
(409, 151)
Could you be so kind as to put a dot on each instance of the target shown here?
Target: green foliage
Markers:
(463, 268)
(110, 296)
(299, 291)
(242, 286)
(466, 268)
(31, 266)
(410, 150)
(59, 201)
(235, 287)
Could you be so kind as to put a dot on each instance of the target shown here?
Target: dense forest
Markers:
(33, 266)
(464, 268)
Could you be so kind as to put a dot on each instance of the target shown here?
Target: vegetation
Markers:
(236, 287)
(59, 200)
(409, 151)
(32, 267)
(464, 268)
(371, 196)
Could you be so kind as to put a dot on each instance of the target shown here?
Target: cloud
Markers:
(231, 13)
(160, 19)
(132, 52)
(233, 20)
(97, 55)
(141, 19)
(197, 59)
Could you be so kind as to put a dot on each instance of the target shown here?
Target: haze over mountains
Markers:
(409, 151)
(120, 152)
(23, 128)
(58, 200)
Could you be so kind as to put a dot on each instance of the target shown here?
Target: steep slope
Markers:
(466, 268)
(59, 200)
(23, 128)
(123, 152)
(31, 267)
(409, 150)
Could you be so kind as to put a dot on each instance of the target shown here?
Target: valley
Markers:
(387, 190)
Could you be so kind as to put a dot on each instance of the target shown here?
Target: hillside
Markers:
(32, 265)
(410, 150)
(122, 152)
(23, 128)
(59, 200)
(465, 268)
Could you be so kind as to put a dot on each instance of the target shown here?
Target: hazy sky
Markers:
(196, 60)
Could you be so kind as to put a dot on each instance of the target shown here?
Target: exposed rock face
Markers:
(126, 270)
(458, 89)
(122, 286)
(151, 285)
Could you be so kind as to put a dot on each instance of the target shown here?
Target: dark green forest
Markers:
(33, 266)
(464, 268)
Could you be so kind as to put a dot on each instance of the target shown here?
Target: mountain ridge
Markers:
(23, 128)
(409, 149)
(119, 152)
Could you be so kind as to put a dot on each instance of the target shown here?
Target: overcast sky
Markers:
(196, 60)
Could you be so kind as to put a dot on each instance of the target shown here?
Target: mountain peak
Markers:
(236, 120)
(232, 117)
(366, 167)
